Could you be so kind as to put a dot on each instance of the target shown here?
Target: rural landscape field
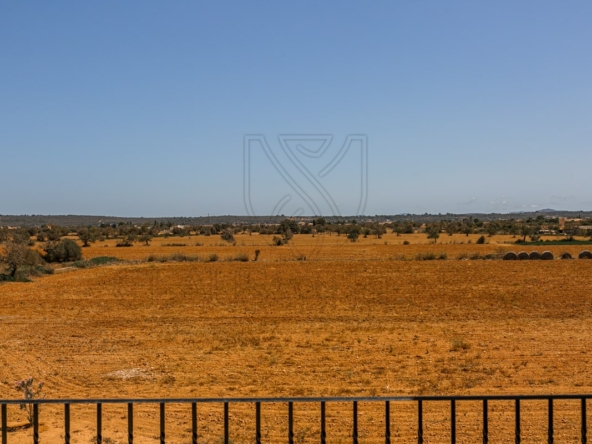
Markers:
(321, 316)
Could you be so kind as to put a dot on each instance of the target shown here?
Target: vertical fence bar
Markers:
(130, 423)
(162, 424)
(420, 421)
(584, 423)
(4, 425)
(99, 423)
(258, 423)
(387, 422)
(323, 431)
(485, 423)
(290, 423)
(226, 431)
(517, 429)
(355, 431)
(453, 421)
(67, 423)
(193, 423)
(36, 423)
(550, 425)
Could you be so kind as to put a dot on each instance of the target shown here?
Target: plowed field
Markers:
(353, 319)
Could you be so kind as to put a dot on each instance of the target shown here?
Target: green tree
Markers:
(433, 233)
(491, 229)
(65, 250)
(353, 233)
(15, 256)
(525, 230)
(86, 236)
(145, 238)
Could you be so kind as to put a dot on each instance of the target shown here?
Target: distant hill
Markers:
(82, 220)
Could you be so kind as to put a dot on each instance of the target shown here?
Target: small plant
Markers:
(257, 253)
(30, 391)
(429, 256)
(241, 257)
(406, 242)
(481, 240)
(459, 344)
(213, 257)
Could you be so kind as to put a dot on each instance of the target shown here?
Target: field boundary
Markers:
(322, 401)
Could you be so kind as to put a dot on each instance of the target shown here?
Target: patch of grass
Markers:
(430, 256)
(173, 245)
(104, 260)
(19, 277)
(556, 242)
(96, 262)
(459, 344)
(213, 258)
(241, 257)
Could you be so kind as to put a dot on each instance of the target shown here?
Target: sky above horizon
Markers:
(195, 108)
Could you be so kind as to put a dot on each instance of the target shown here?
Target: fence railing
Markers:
(322, 401)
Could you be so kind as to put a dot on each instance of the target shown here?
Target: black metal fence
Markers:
(385, 401)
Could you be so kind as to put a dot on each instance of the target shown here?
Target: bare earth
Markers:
(353, 319)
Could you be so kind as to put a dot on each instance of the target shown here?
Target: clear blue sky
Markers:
(141, 108)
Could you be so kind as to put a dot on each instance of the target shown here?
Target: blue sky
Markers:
(141, 108)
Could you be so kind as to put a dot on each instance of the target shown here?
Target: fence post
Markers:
(323, 432)
(4, 425)
(420, 421)
(67, 422)
(193, 423)
(550, 425)
(485, 423)
(584, 423)
(162, 424)
(36, 423)
(258, 423)
(130, 423)
(290, 422)
(355, 432)
(387, 422)
(226, 431)
(517, 431)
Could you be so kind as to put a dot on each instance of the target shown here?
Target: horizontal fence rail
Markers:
(420, 401)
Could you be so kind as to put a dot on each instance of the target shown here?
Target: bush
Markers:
(481, 240)
(65, 250)
(227, 236)
(213, 258)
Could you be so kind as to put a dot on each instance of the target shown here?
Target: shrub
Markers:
(227, 236)
(429, 256)
(257, 253)
(481, 240)
(65, 250)
(213, 258)
(405, 242)
(29, 392)
(241, 257)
